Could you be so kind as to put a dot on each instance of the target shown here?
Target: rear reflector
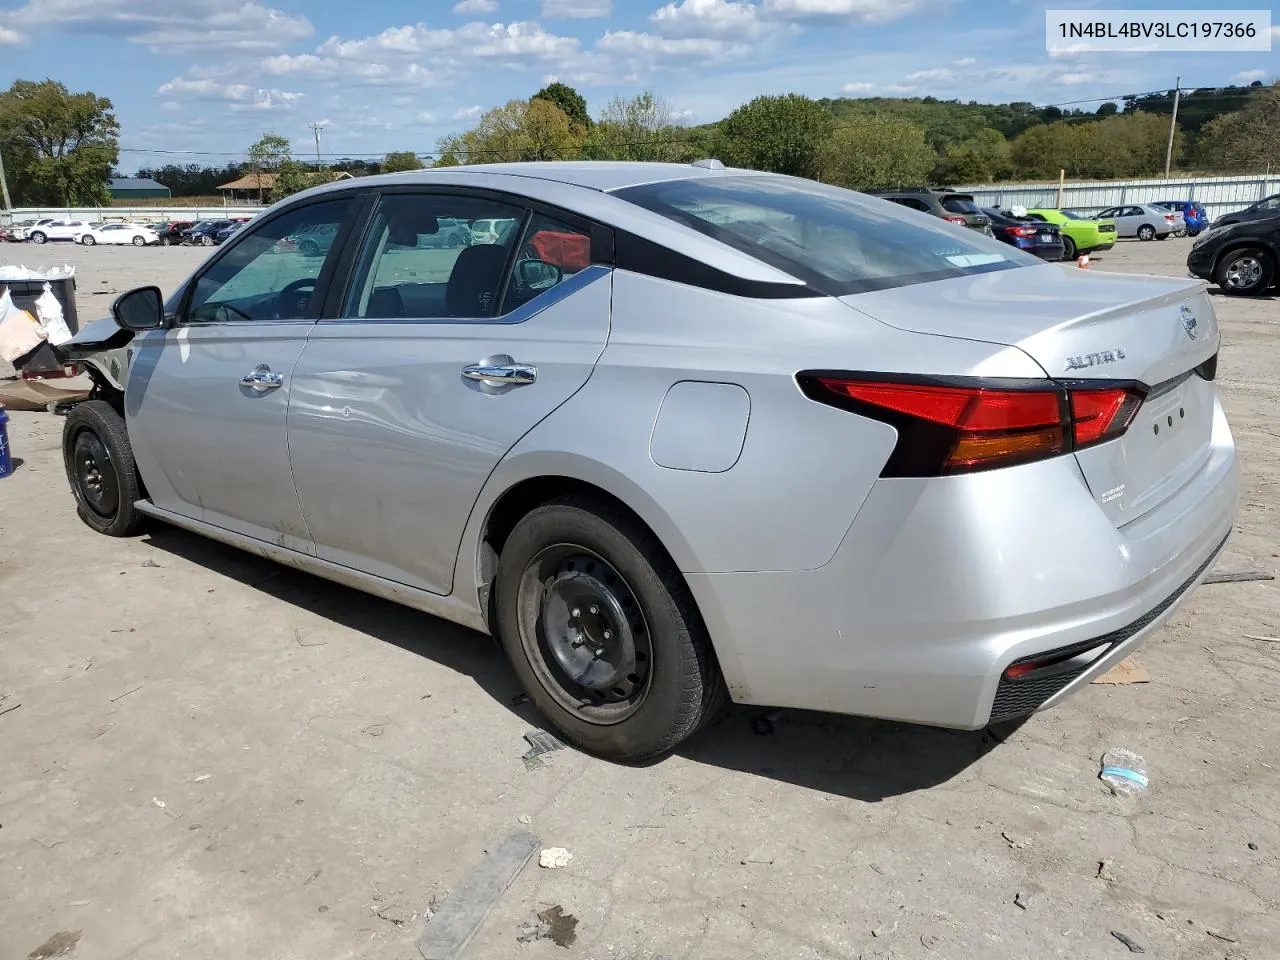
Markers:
(964, 425)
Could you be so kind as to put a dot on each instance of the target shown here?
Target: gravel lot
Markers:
(207, 755)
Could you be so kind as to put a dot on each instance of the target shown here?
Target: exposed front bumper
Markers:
(941, 584)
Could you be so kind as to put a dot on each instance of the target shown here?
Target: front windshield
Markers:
(835, 240)
(1073, 215)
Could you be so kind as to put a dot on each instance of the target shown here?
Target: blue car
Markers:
(1196, 216)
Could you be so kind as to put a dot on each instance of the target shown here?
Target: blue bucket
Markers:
(6, 461)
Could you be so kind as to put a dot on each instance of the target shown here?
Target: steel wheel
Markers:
(95, 477)
(585, 634)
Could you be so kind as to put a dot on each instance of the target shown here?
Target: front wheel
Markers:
(603, 632)
(139, 241)
(37, 237)
(1245, 273)
(1068, 248)
(165, 241)
(1146, 232)
(100, 468)
(87, 240)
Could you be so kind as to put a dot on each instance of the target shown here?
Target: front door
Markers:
(445, 354)
(207, 399)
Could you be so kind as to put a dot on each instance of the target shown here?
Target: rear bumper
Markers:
(941, 584)
(1106, 244)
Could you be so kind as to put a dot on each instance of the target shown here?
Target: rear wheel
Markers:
(1246, 273)
(1146, 232)
(165, 241)
(100, 468)
(603, 632)
(87, 240)
(139, 241)
(308, 248)
(1068, 248)
(37, 237)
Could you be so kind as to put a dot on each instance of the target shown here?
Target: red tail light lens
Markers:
(1022, 231)
(963, 425)
(954, 219)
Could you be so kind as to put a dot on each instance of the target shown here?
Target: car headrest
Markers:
(472, 290)
(404, 226)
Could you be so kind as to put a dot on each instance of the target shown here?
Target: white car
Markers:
(490, 230)
(22, 231)
(134, 233)
(57, 230)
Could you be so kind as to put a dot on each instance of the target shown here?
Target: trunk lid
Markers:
(1090, 328)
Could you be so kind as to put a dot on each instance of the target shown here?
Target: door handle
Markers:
(262, 379)
(507, 374)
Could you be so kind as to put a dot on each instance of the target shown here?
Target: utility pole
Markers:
(1173, 125)
(4, 185)
(316, 128)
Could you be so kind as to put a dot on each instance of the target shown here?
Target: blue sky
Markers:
(210, 76)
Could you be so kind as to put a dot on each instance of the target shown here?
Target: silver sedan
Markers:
(683, 434)
(1145, 221)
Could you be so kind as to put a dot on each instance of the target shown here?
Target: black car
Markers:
(205, 232)
(171, 233)
(957, 208)
(1264, 209)
(1033, 236)
(1241, 258)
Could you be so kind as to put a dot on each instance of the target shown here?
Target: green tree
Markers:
(567, 99)
(1108, 109)
(865, 152)
(398, 160)
(293, 177)
(980, 159)
(1248, 138)
(642, 128)
(59, 147)
(782, 134)
(521, 130)
(268, 155)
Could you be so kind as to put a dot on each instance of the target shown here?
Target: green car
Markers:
(1079, 233)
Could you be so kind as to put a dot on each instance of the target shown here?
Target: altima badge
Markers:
(1094, 359)
(1189, 324)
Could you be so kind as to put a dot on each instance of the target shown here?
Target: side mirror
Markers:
(538, 274)
(139, 309)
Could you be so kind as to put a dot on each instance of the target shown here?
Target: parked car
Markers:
(1241, 258)
(314, 240)
(957, 208)
(1262, 210)
(171, 233)
(490, 230)
(449, 234)
(9, 235)
(1194, 217)
(57, 230)
(1145, 221)
(202, 234)
(226, 232)
(1080, 234)
(1034, 236)
(22, 231)
(116, 233)
(602, 466)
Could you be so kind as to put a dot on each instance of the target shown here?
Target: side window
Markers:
(911, 202)
(433, 256)
(549, 253)
(271, 273)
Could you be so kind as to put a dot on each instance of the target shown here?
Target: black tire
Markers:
(1146, 232)
(206, 241)
(1163, 236)
(1246, 272)
(100, 468)
(560, 553)
(37, 237)
(308, 248)
(87, 240)
(1068, 248)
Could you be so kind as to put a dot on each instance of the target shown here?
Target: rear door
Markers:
(207, 399)
(436, 361)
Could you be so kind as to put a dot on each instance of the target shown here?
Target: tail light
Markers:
(954, 219)
(1169, 217)
(962, 425)
(1022, 231)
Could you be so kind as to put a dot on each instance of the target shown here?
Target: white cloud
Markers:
(241, 96)
(859, 86)
(425, 118)
(520, 40)
(476, 6)
(171, 26)
(964, 62)
(1248, 76)
(934, 75)
(468, 113)
(357, 72)
(654, 49)
(576, 9)
(1076, 79)
(8, 36)
(170, 106)
(721, 19)
(270, 100)
(871, 11)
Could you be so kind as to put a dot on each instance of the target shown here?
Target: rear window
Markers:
(836, 241)
(959, 205)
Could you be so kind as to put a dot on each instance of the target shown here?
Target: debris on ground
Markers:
(1015, 842)
(1022, 900)
(376, 729)
(554, 925)
(396, 914)
(1252, 845)
(1220, 936)
(1104, 871)
(297, 638)
(884, 931)
(762, 723)
(150, 563)
(929, 941)
(553, 858)
(530, 932)
(1127, 670)
(1133, 945)
(540, 742)
(525, 819)
(1244, 576)
(59, 944)
(519, 700)
(202, 778)
(460, 916)
(158, 802)
(1124, 772)
(765, 857)
(1250, 636)
(9, 709)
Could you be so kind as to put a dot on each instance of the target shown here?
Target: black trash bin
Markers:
(42, 361)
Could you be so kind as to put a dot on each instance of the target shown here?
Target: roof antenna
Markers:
(708, 164)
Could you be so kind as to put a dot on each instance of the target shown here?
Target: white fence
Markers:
(128, 214)
(1218, 195)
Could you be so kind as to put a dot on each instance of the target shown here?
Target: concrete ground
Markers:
(206, 755)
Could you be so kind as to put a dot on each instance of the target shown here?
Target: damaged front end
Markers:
(102, 350)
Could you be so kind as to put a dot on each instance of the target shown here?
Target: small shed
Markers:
(137, 188)
(256, 187)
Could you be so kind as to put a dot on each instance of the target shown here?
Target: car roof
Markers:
(603, 175)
